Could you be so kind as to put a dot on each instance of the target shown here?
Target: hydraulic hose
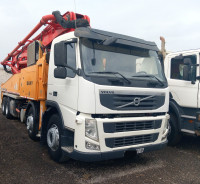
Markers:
(70, 24)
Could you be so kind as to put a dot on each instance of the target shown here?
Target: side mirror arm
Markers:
(78, 71)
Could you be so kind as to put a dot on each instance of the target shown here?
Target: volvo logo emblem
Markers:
(136, 101)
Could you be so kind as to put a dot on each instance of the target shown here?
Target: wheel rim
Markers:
(53, 137)
(29, 123)
(6, 109)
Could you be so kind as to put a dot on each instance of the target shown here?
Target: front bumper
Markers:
(92, 157)
(139, 134)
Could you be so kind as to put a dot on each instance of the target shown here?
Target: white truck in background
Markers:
(183, 75)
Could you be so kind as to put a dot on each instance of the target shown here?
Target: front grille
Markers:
(126, 102)
(131, 140)
(120, 100)
(131, 126)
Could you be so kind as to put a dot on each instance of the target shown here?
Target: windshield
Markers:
(131, 62)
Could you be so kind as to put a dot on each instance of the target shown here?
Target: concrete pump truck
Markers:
(88, 94)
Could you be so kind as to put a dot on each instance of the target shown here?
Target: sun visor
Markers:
(121, 39)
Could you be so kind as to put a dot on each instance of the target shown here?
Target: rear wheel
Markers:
(32, 121)
(174, 135)
(54, 138)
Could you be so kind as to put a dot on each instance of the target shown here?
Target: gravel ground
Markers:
(25, 161)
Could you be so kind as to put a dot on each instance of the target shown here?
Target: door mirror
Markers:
(60, 72)
(189, 71)
(186, 72)
(60, 54)
(93, 61)
(193, 74)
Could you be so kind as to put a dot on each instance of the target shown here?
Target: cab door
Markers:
(182, 89)
(63, 85)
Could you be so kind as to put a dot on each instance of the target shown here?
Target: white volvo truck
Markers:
(98, 96)
(110, 94)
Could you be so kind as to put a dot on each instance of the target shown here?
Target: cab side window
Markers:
(71, 59)
(178, 63)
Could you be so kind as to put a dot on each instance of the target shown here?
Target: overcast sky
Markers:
(177, 20)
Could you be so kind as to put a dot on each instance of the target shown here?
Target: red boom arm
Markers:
(17, 59)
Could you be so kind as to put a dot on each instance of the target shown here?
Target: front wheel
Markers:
(174, 135)
(54, 138)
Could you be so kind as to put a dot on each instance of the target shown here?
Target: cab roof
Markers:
(86, 32)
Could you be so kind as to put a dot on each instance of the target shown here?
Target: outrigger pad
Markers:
(70, 24)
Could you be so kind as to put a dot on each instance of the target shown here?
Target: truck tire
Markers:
(3, 106)
(174, 135)
(32, 121)
(54, 138)
(7, 108)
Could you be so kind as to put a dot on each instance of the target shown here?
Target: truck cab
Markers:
(182, 73)
(109, 94)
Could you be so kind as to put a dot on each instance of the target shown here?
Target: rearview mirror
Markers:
(93, 61)
(193, 74)
(60, 54)
(60, 72)
(186, 72)
(189, 70)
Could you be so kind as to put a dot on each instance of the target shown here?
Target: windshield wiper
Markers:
(152, 76)
(114, 74)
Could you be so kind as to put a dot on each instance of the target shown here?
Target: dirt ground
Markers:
(25, 161)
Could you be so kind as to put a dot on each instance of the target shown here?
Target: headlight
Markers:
(91, 129)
